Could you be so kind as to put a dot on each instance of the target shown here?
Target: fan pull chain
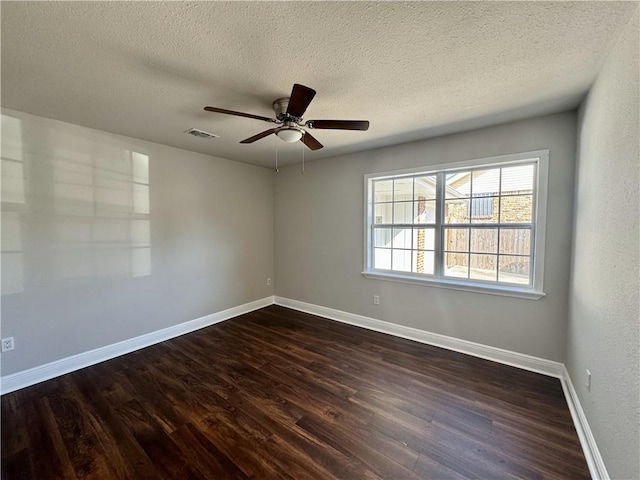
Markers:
(302, 143)
(276, 142)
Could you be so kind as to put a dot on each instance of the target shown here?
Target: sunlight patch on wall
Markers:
(74, 207)
(102, 213)
(13, 195)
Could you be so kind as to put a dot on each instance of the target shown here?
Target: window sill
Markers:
(459, 285)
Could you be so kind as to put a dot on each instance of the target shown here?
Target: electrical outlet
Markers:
(587, 382)
(7, 344)
(268, 281)
(376, 300)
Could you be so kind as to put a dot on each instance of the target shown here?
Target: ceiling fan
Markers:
(289, 112)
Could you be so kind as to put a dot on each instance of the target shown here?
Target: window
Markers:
(476, 225)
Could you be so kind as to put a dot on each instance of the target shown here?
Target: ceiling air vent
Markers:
(200, 133)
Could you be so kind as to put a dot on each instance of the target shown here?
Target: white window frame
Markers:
(532, 291)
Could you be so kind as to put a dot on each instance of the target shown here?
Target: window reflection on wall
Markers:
(102, 212)
(75, 205)
(13, 197)
(140, 224)
(12, 256)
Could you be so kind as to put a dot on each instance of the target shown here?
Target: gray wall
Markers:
(319, 240)
(604, 315)
(85, 263)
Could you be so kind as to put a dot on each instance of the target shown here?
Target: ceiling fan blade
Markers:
(338, 124)
(300, 99)
(259, 136)
(238, 114)
(310, 141)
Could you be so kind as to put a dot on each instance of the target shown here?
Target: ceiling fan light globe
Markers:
(290, 135)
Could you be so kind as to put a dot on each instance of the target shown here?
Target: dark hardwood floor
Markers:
(281, 394)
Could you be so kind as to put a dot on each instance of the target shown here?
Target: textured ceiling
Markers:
(414, 69)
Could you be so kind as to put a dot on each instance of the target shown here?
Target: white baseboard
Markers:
(507, 357)
(26, 378)
(16, 381)
(592, 454)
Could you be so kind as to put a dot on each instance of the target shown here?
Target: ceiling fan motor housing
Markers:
(280, 108)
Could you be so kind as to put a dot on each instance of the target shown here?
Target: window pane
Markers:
(424, 188)
(383, 191)
(11, 231)
(517, 180)
(12, 182)
(484, 240)
(382, 237)
(515, 241)
(141, 262)
(401, 260)
(140, 233)
(484, 209)
(401, 238)
(140, 167)
(383, 213)
(140, 198)
(424, 211)
(514, 269)
(74, 199)
(486, 182)
(423, 262)
(516, 209)
(458, 185)
(12, 272)
(382, 258)
(456, 265)
(424, 239)
(456, 239)
(456, 211)
(483, 267)
(402, 189)
(11, 138)
(403, 212)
